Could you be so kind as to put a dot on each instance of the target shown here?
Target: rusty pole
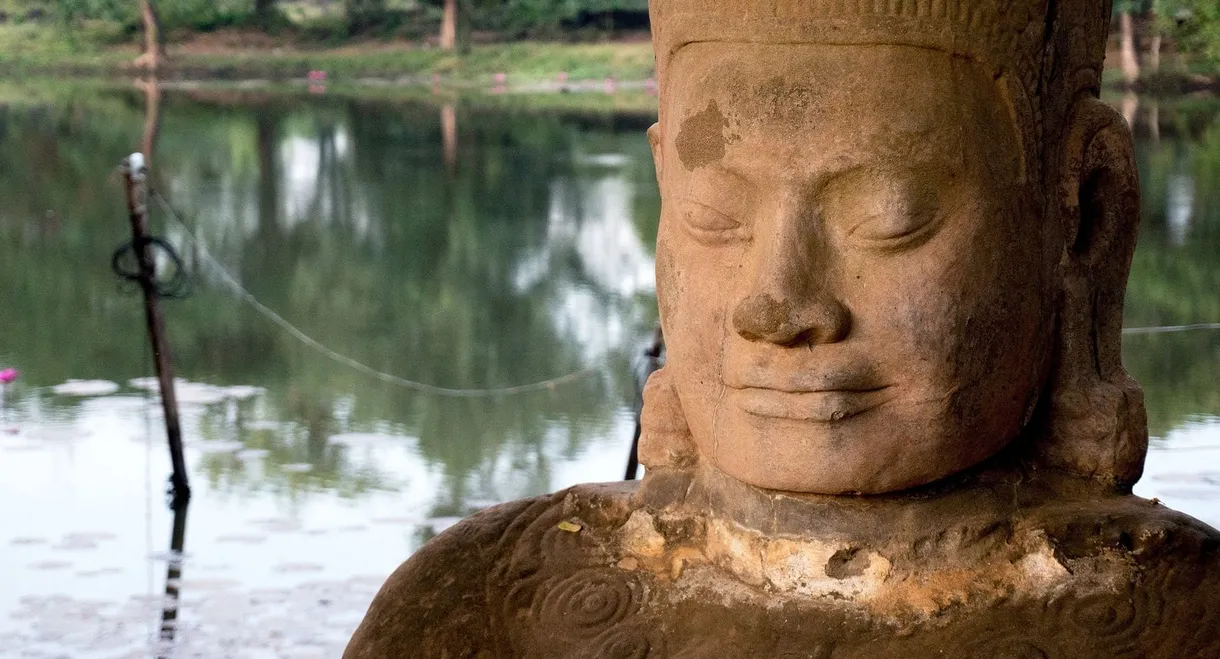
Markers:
(652, 362)
(135, 177)
(173, 581)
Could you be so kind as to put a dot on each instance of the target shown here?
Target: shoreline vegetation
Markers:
(620, 66)
(229, 56)
(1158, 47)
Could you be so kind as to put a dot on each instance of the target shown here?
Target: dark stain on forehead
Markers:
(701, 139)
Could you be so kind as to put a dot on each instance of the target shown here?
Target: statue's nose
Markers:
(762, 317)
(789, 300)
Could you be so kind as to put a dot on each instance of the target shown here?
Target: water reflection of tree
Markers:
(389, 258)
(1177, 264)
(281, 448)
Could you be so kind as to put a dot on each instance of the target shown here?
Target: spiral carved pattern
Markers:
(587, 602)
(625, 643)
(1006, 649)
(1127, 623)
(1105, 616)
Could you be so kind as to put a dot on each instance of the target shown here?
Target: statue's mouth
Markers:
(821, 406)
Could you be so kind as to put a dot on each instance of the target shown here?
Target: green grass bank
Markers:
(41, 51)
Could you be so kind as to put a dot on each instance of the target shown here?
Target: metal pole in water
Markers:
(135, 178)
(652, 362)
(173, 581)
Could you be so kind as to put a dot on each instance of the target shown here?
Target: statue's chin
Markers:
(842, 444)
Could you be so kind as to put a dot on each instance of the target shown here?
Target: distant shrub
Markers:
(1194, 25)
(559, 18)
(198, 15)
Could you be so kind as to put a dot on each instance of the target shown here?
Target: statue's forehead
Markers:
(840, 104)
(811, 77)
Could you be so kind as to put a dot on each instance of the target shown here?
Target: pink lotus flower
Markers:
(8, 376)
(317, 76)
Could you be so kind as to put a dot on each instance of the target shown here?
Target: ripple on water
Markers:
(298, 567)
(85, 388)
(394, 521)
(217, 446)
(76, 545)
(252, 454)
(57, 433)
(365, 438)
(90, 536)
(209, 585)
(440, 524)
(24, 447)
(24, 542)
(1190, 493)
(198, 393)
(48, 566)
(1187, 477)
(243, 538)
(170, 558)
(241, 392)
(193, 393)
(277, 524)
(102, 572)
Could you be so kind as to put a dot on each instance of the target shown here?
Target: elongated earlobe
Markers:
(654, 140)
(665, 440)
(1098, 426)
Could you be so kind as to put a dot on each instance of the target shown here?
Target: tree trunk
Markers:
(449, 26)
(1130, 62)
(449, 137)
(463, 27)
(1130, 107)
(263, 10)
(154, 38)
(1154, 53)
(152, 119)
(268, 176)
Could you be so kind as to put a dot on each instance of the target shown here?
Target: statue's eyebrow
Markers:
(718, 169)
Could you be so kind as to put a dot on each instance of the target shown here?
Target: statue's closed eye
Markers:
(709, 225)
(885, 214)
(894, 230)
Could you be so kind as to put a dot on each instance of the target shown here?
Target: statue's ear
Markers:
(654, 140)
(1098, 424)
(665, 440)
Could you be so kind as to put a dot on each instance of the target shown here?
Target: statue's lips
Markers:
(824, 406)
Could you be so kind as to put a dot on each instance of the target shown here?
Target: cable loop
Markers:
(240, 291)
(126, 265)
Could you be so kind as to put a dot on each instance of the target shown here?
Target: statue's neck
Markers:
(991, 493)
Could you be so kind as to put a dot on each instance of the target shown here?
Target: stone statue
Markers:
(894, 421)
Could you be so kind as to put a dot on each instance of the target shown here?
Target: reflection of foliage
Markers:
(362, 237)
(302, 442)
(1193, 24)
(1176, 271)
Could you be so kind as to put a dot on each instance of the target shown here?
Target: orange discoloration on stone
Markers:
(701, 140)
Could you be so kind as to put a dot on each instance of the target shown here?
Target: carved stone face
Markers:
(854, 291)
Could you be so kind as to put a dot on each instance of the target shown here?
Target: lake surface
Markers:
(448, 242)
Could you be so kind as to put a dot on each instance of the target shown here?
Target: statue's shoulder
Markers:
(1146, 530)
(448, 599)
(1163, 599)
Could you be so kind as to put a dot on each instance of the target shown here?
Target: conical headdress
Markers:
(1022, 42)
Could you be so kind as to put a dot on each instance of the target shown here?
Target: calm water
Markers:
(523, 255)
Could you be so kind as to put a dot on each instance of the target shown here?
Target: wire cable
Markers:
(337, 357)
(1168, 329)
